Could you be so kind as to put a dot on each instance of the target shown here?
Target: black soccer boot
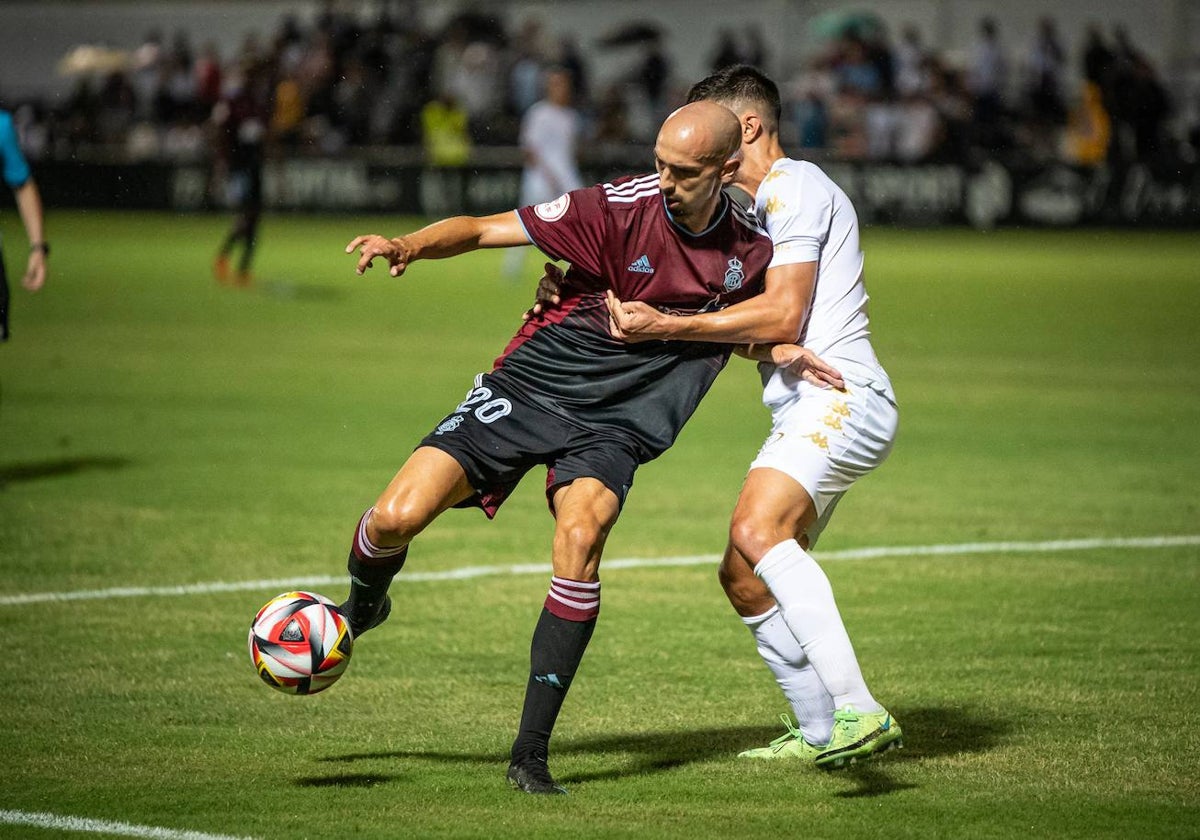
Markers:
(531, 774)
(362, 620)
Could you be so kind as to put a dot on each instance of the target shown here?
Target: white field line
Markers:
(123, 829)
(466, 572)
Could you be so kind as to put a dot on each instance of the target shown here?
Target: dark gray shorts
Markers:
(497, 436)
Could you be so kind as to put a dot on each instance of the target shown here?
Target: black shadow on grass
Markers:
(938, 731)
(869, 780)
(929, 733)
(654, 751)
(657, 751)
(364, 780)
(36, 470)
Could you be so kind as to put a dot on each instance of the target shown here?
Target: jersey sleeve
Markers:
(797, 213)
(571, 227)
(16, 169)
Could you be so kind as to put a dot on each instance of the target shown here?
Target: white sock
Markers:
(811, 704)
(805, 599)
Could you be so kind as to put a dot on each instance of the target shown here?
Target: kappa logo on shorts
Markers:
(819, 440)
(449, 424)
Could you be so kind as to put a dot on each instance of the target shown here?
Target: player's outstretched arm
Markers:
(774, 317)
(447, 238)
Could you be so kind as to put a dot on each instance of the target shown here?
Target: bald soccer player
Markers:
(568, 395)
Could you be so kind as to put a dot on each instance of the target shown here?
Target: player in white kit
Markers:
(822, 439)
(550, 132)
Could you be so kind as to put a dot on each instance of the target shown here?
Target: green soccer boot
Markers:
(790, 744)
(858, 736)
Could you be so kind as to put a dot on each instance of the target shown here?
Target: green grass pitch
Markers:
(158, 430)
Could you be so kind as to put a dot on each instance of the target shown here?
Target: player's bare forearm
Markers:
(447, 238)
(752, 322)
(29, 206)
(774, 317)
(754, 352)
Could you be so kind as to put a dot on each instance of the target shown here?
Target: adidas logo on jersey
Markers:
(641, 265)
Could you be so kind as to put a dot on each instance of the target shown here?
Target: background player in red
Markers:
(566, 394)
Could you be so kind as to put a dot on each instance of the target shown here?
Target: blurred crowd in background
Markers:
(336, 81)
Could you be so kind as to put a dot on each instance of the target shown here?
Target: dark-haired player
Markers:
(822, 439)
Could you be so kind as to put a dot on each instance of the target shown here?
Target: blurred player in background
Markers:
(29, 205)
(550, 132)
(822, 439)
(241, 119)
(566, 394)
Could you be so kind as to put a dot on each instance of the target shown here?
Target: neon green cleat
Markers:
(791, 744)
(859, 735)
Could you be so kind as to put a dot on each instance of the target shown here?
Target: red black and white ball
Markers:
(300, 643)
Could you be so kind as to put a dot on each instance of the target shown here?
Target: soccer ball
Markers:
(300, 643)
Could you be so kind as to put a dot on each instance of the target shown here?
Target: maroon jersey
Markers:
(620, 236)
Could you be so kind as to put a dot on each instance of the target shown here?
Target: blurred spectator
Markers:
(612, 119)
(1088, 129)
(525, 78)
(444, 132)
(949, 96)
(550, 135)
(208, 77)
(987, 81)
(652, 75)
(571, 60)
(287, 116)
(1042, 96)
(910, 76)
(240, 122)
(856, 72)
(919, 129)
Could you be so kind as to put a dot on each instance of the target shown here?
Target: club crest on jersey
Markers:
(552, 211)
(449, 424)
(734, 276)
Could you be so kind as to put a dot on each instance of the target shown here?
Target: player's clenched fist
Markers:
(396, 251)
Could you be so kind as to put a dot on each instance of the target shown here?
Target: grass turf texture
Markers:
(159, 430)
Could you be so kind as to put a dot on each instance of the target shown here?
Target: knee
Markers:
(578, 543)
(396, 520)
(748, 534)
(579, 534)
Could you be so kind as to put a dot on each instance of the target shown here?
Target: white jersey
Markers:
(810, 219)
(549, 134)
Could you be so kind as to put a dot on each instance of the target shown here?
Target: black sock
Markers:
(558, 646)
(369, 582)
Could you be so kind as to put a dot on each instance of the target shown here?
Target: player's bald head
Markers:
(704, 130)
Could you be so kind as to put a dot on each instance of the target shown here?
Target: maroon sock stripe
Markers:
(366, 549)
(573, 600)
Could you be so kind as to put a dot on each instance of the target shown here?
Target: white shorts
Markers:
(826, 440)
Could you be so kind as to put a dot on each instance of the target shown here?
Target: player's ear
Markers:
(752, 128)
